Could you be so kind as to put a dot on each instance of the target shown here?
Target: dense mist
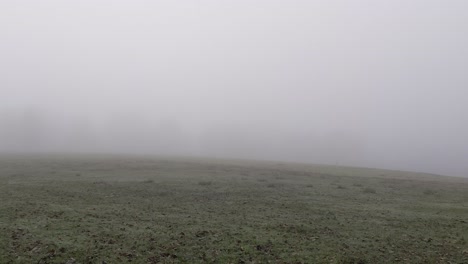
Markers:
(359, 83)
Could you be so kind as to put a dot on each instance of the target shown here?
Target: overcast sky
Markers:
(365, 83)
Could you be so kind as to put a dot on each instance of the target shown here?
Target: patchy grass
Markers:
(429, 192)
(205, 183)
(369, 190)
(159, 211)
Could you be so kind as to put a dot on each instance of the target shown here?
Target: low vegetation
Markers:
(115, 210)
(369, 190)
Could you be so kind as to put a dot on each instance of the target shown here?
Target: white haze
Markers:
(376, 83)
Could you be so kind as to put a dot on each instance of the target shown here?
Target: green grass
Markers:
(117, 209)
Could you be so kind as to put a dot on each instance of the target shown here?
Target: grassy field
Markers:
(144, 210)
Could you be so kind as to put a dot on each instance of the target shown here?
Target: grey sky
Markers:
(365, 83)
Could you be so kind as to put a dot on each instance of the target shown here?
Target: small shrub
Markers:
(340, 187)
(357, 184)
(309, 185)
(369, 190)
(148, 181)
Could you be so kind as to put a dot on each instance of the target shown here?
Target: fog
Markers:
(359, 83)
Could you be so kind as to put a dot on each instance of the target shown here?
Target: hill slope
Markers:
(144, 210)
